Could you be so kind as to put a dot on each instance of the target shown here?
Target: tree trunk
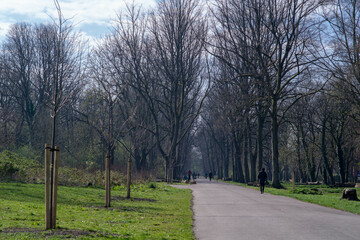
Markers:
(246, 158)
(259, 141)
(128, 179)
(226, 160)
(301, 172)
(252, 158)
(137, 159)
(143, 164)
(341, 159)
(313, 169)
(107, 181)
(324, 153)
(239, 171)
(275, 145)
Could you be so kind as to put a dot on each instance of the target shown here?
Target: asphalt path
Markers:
(223, 211)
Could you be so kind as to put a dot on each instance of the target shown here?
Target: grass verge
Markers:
(319, 194)
(156, 211)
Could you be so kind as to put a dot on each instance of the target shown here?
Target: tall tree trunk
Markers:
(325, 177)
(341, 160)
(310, 163)
(298, 153)
(246, 157)
(259, 142)
(143, 163)
(275, 145)
(312, 170)
(252, 158)
(324, 153)
(137, 159)
(226, 159)
(238, 164)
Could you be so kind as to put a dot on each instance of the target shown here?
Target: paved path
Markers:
(223, 211)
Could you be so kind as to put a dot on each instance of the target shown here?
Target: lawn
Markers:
(319, 194)
(156, 211)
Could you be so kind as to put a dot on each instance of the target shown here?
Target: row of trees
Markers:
(275, 83)
(139, 90)
(285, 93)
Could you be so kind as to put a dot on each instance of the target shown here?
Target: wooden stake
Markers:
(54, 199)
(293, 179)
(128, 178)
(47, 187)
(107, 181)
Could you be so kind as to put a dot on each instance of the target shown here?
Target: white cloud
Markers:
(4, 27)
(81, 12)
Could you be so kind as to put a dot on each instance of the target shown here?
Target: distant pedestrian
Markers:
(262, 180)
(210, 175)
(189, 175)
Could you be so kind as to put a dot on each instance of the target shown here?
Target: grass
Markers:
(319, 194)
(156, 211)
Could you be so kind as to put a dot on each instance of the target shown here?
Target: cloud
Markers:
(83, 13)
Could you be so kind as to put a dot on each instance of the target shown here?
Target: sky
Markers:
(90, 17)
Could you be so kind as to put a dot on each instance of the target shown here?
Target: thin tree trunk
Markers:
(128, 182)
(107, 181)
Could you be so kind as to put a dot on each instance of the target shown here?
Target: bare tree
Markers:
(237, 34)
(341, 47)
(178, 32)
(109, 85)
(65, 80)
(289, 25)
(9, 117)
(164, 60)
(340, 34)
(19, 59)
(268, 46)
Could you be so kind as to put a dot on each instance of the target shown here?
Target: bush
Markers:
(151, 185)
(15, 167)
(82, 177)
(311, 191)
(7, 169)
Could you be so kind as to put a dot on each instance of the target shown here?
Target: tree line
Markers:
(285, 91)
(224, 86)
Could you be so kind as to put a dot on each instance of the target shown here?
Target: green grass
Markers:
(319, 194)
(155, 211)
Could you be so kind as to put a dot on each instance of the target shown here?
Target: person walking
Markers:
(189, 175)
(210, 176)
(262, 180)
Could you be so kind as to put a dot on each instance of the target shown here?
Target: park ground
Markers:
(155, 211)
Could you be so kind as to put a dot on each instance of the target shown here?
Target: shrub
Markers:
(151, 185)
(311, 191)
(82, 177)
(15, 167)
